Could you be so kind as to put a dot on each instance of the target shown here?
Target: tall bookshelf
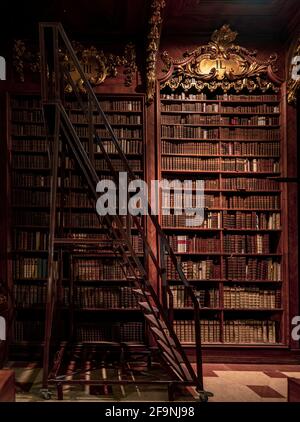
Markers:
(94, 295)
(221, 114)
(234, 260)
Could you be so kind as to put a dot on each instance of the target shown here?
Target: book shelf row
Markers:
(235, 331)
(228, 148)
(218, 119)
(238, 297)
(247, 165)
(227, 220)
(192, 132)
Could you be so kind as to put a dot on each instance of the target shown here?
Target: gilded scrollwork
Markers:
(220, 64)
(24, 59)
(293, 85)
(97, 65)
(155, 22)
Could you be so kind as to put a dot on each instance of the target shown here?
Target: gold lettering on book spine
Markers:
(220, 64)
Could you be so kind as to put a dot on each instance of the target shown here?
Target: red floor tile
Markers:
(274, 374)
(209, 373)
(265, 391)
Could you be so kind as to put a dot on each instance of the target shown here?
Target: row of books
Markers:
(210, 182)
(218, 119)
(27, 330)
(236, 183)
(185, 331)
(103, 133)
(250, 165)
(175, 200)
(29, 295)
(207, 298)
(219, 108)
(124, 119)
(235, 331)
(97, 269)
(30, 145)
(200, 148)
(119, 332)
(250, 331)
(119, 165)
(249, 184)
(27, 115)
(77, 199)
(188, 163)
(111, 105)
(30, 268)
(30, 218)
(227, 148)
(212, 220)
(30, 162)
(128, 146)
(202, 269)
(105, 297)
(26, 102)
(251, 134)
(31, 198)
(26, 129)
(251, 220)
(250, 148)
(241, 297)
(256, 243)
(30, 180)
(224, 97)
(185, 244)
(251, 121)
(253, 201)
(30, 240)
(188, 132)
(242, 97)
(245, 268)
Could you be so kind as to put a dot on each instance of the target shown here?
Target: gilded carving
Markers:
(220, 64)
(293, 85)
(23, 59)
(155, 22)
(97, 65)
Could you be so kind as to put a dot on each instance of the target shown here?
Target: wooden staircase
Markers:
(54, 75)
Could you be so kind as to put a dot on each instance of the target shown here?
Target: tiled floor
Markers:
(228, 383)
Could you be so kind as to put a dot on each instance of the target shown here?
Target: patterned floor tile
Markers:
(265, 391)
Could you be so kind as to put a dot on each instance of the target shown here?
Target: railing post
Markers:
(54, 138)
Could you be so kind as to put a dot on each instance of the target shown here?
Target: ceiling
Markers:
(110, 20)
(255, 18)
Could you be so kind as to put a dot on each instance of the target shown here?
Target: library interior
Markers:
(102, 300)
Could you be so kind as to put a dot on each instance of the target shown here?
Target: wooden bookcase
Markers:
(235, 259)
(95, 299)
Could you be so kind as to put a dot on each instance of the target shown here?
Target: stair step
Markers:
(187, 372)
(163, 337)
(154, 321)
(147, 307)
(141, 292)
(174, 366)
(171, 351)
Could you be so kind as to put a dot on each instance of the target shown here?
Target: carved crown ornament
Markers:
(293, 85)
(97, 65)
(220, 64)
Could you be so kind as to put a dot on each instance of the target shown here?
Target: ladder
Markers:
(54, 44)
